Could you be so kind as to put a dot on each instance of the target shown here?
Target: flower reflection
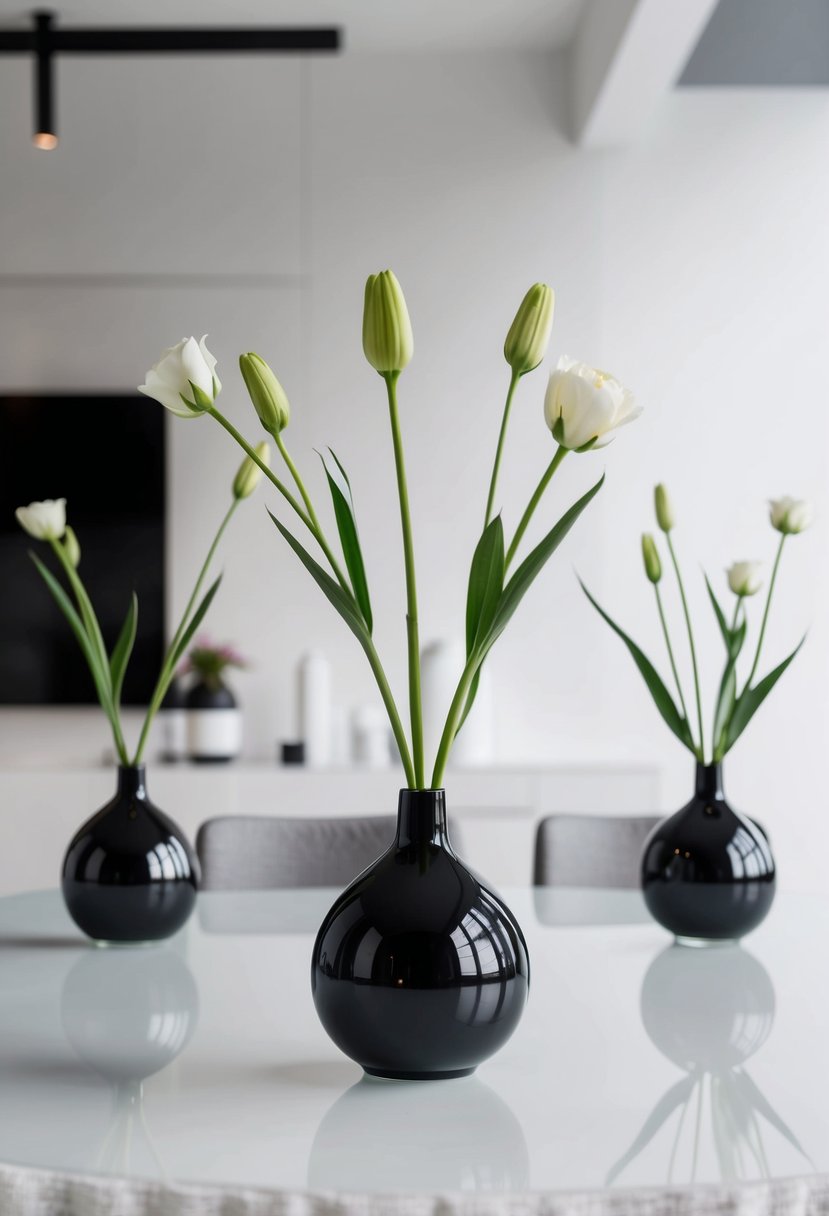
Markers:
(708, 1011)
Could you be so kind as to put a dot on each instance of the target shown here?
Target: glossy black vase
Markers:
(708, 874)
(130, 874)
(419, 971)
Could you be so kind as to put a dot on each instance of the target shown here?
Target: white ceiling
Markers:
(369, 25)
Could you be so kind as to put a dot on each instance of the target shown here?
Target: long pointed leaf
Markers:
(752, 698)
(332, 590)
(726, 699)
(76, 624)
(662, 699)
(733, 638)
(195, 620)
(532, 565)
(90, 620)
(123, 650)
(346, 518)
(486, 583)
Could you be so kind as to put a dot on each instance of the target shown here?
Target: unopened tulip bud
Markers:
(790, 515)
(664, 508)
(71, 547)
(529, 333)
(650, 556)
(744, 578)
(387, 331)
(267, 394)
(250, 474)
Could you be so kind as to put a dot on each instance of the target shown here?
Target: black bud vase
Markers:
(708, 873)
(419, 971)
(130, 874)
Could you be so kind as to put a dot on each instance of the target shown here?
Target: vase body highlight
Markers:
(129, 874)
(419, 970)
(708, 873)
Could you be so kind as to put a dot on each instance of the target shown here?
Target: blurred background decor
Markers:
(214, 722)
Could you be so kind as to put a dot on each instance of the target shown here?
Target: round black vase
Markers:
(708, 874)
(130, 875)
(419, 971)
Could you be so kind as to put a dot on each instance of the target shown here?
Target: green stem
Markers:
(308, 518)
(415, 706)
(300, 485)
(772, 581)
(691, 645)
(718, 745)
(391, 709)
(93, 630)
(167, 667)
(514, 378)
(453, 718)
(533, 503)
(670, 650)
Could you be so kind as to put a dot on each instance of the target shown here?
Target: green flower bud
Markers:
(664, 508)
(71, 547)
(267, 394)
(650, 556)
(387, 330)
(529, 333)
(249, 475)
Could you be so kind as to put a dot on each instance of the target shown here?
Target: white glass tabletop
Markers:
(638, 1063)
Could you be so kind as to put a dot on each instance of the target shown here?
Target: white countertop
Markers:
(637, 1064)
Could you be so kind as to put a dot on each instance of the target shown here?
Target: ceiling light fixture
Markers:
(45, 41)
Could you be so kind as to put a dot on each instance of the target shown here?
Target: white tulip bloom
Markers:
(583, 406)
(790, 515)
(744, 578)
(184, 380)
(43, 520)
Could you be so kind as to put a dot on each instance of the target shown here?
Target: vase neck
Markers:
(421, 817)
(709, 783)
(132, 781)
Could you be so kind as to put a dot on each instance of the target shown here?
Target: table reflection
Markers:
(382, 1136)
(708, 1011)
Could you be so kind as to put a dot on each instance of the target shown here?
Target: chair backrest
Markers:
(250, 852)
(590, 850)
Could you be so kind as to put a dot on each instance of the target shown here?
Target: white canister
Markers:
(314, 706)
(441, 665)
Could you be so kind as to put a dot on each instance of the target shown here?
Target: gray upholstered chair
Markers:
(590, 850)
(249, 852)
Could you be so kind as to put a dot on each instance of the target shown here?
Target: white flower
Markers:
(790, 515)
(744, 578)
(184, 380)
(583, 405)
(43, 520)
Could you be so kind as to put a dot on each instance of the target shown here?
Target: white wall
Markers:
(694, 266)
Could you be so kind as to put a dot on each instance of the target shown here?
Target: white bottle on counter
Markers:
(314, 702)
(441, 665)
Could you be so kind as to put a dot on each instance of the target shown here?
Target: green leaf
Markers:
(486, 582)
(195, 620)
(347, 527)
(470, 698)
(532, 565)
(726, 699)
(340, 599)
(123, 650)
(90, 653)
(720, 615)
(752, 698)
(662, 699)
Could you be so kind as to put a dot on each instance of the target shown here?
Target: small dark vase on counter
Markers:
(214, 724)
(708, 874)
(130, 875)
(419, 971)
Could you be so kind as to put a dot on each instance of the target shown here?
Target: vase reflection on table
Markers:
(709, 1012)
